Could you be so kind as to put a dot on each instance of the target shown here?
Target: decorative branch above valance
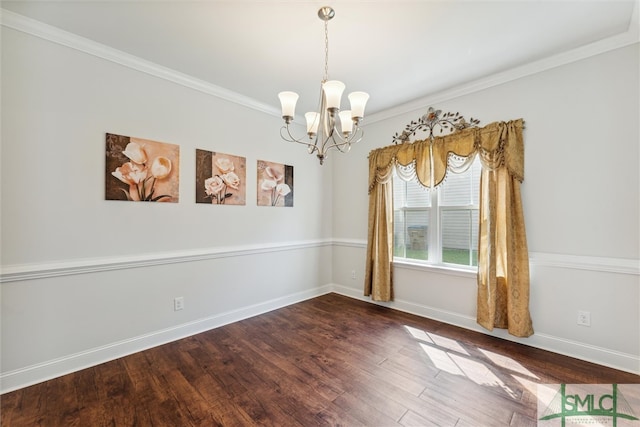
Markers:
(497, 144)
(431, 121)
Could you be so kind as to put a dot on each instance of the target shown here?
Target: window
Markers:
(438, 226)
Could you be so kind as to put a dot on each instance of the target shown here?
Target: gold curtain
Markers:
(380, 240)
(503, 259)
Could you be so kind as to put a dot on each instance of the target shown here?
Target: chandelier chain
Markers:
(326, 50)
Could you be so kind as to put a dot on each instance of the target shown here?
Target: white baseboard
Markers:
(24, 377)
(14, 380)
(602, 356)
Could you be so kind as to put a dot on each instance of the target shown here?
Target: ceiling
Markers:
(396, 50)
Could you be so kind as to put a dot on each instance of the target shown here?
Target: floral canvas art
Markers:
(141, 170)
(275, 184)
(220, 178)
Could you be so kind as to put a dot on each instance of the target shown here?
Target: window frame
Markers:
(435, 209)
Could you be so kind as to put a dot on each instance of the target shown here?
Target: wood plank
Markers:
(411, 419)
(364, 411)
(330, 360)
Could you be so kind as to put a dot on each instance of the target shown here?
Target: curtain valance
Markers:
(498, 144)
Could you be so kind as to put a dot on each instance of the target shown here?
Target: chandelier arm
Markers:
(324, 145)
(341, 147)
(341, 144)
(355, 137)
(357, 133)
(290, 138)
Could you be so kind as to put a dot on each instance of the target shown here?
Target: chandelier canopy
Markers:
(328, 127)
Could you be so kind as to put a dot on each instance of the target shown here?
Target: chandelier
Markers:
(322, 126)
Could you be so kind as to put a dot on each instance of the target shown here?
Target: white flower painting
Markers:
(220, 178)
(275, 184)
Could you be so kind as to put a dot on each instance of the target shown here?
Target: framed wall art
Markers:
(141, 170)
(221, 179)
(275, 184)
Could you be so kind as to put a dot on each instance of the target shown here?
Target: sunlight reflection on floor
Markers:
(450, 356)
(507, 363)
(418, 334)
(544, 392)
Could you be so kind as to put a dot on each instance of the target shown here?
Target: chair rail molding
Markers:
(21, 272)
(14, 273)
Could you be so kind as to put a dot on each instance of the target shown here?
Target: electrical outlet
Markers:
(584, 318)
(353, 275)
(178, 303)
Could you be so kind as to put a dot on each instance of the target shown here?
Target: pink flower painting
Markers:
(220, 178)
(141, 170)
(275, 184)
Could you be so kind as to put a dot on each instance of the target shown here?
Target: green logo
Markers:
(595, 407)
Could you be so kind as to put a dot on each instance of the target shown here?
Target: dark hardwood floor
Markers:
(331, 360)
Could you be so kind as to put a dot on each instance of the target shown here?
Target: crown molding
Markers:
(631, 36)
(56, 35)
(47, 32)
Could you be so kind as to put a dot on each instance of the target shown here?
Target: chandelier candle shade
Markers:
(329, 127)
